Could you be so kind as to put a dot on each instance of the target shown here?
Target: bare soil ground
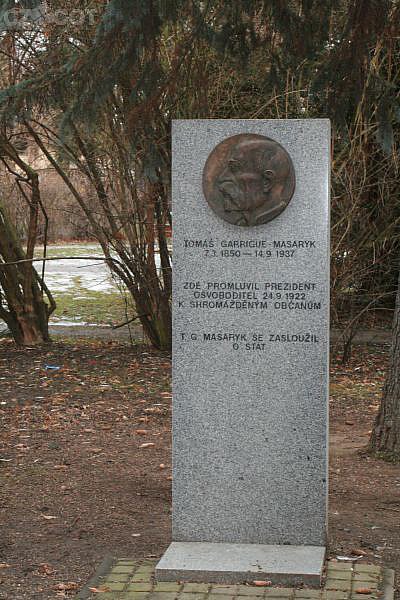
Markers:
(85, 463)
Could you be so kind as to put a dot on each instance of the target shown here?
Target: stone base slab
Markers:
(241, 563)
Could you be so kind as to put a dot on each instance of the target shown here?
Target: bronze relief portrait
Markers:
(248, 179)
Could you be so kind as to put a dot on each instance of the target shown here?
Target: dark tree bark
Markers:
(25, 301)
(23, 294)
(385, 437)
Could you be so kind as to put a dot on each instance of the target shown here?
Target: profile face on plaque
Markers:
(248, 179)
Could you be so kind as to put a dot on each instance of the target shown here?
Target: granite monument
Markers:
(250, 350)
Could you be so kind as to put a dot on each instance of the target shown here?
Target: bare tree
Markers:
(128, 212)
(23, 293)
(385, 436)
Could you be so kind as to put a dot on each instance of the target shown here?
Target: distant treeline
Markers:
(66, 220)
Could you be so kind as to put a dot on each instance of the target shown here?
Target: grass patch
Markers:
(76, 301)
(90, 306)
(81, 249)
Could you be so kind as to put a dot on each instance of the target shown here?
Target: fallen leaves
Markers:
(153, 410)
(358, 552)
(67, 587)
(79, 437)
(46, 569)
(100, 590)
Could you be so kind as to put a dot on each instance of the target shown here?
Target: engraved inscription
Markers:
(250, 295)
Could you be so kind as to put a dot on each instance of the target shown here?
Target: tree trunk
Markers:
(155, 318)
(27, 329)
(22, 291)
(385, 437)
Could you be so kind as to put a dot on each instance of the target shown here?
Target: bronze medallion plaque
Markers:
(248, 179)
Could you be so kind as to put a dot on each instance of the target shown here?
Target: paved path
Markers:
(126, 579)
